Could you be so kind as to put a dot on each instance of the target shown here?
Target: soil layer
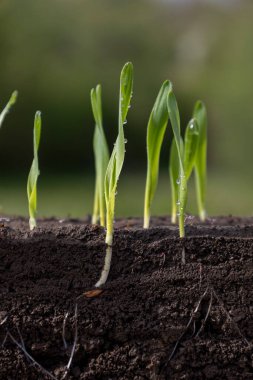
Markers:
(156, 318)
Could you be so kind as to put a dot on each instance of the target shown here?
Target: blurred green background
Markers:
(54, 51)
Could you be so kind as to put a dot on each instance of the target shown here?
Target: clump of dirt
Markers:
(156, 318)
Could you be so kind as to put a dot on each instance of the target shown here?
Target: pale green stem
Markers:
(95, 216)
(174, 214)
(147, 204)
(32, 223)
(182, 204)
(200, 200)
(109, 220)
(174, 204)
(102, 209)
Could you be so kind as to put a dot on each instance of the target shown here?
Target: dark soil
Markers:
(156, 318)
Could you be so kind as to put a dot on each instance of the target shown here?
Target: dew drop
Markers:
(178, 203)
(125, 122)
(178, 181)
(125, 141)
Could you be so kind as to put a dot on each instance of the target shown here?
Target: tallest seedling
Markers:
(115, 164)
(118, 154)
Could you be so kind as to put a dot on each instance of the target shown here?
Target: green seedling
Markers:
(8, 106)
(115, 164)
(157, 124)
(101, 154)
(34, 172)
(186, 153)
(200, 114)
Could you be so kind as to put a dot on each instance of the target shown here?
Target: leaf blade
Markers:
(156, 128)
(8, 106)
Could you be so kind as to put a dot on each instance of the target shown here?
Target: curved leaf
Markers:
(191, 140)
(8, 106)
(157, 124)
(101, 154)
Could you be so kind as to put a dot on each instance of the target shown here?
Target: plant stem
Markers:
(146, 217)
(174, 205)
(182, 203)
(102, 209)
(32, 223)
(106, 269)
(147, 202)
(200, 200)
(95, 216)
(174, 214)
(109, 220)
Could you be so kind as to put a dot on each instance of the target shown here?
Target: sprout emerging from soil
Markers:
(34, 172)
(200, 114)
(186, 152)
(115, 164)
(157, 124)
(101, 154)
(8, 106)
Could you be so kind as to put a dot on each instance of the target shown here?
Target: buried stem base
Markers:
(106, 269)
(32, 223)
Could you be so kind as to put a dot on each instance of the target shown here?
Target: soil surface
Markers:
(156, 317)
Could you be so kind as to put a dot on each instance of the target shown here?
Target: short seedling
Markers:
(157, 124)
(115, 164)
(34, 172)
(186, 152)
(101, 154)
(8, 106)
(200, 114)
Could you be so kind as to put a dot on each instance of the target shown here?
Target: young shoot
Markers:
(157, 124)
(8, 106)
(34, 172)
(200, 114)
(186, 152)
(115, 164)
(101, 154)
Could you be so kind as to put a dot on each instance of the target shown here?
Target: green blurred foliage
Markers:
(55, 51)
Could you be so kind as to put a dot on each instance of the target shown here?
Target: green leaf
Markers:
(7, 108)
(101, 154)
(182, 192)
(191, 140)
(157, 124)
(126, 90)
(118, 154)
(200, 114)
(175, 123)
(34, 172)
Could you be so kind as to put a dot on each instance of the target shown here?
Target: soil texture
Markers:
(171, 308)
